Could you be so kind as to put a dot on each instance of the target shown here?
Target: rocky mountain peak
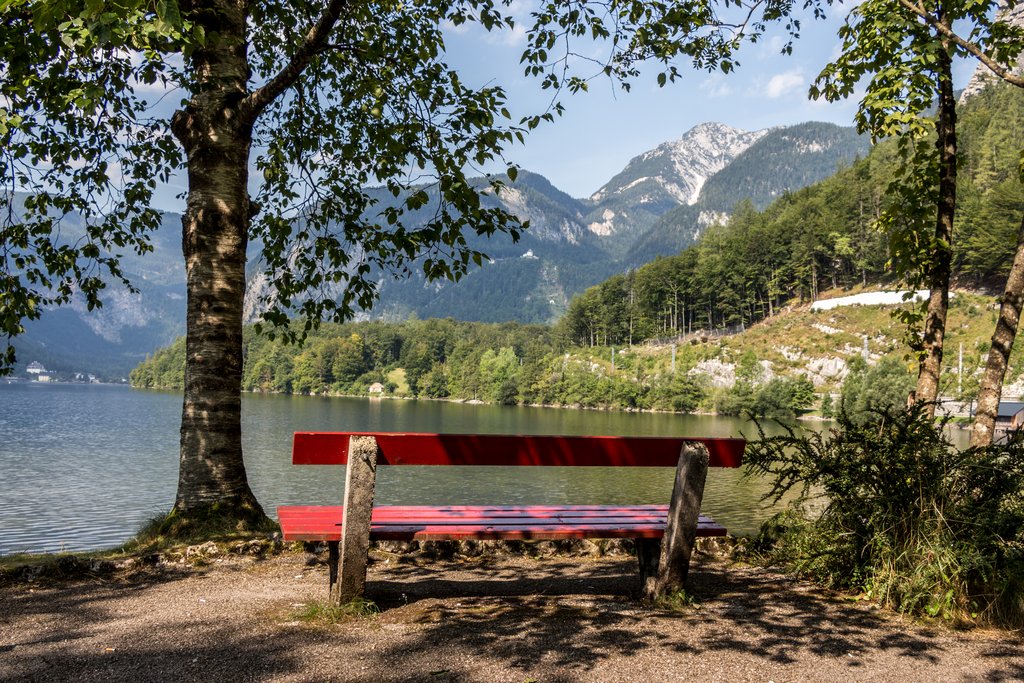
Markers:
(676, 170)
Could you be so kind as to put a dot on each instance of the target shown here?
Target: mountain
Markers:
(814, 240)
(530, 280)
(780, 161)
(658, 204)
(657, 181)
(112, 339)
(1010, 13)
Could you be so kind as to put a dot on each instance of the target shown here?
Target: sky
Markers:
(604, 128)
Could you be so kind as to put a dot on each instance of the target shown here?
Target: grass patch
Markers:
(677, 601)
(327, 613)
(401, 382)
(225, 521)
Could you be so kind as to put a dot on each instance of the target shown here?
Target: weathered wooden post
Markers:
(360, 479)
(673, 561)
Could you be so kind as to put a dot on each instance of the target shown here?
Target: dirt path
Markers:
(516, 620)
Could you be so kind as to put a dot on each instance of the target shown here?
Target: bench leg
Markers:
(681, 529)
(332, 566)
(360, 480)
(648, 551)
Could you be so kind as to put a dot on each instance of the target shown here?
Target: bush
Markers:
(781, 397)
(879, 388)
(904, 516)
(828, 410)
(736, 400)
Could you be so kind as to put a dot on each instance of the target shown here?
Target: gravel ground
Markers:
(516, 620)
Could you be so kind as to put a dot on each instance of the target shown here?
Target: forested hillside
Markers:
(571, 244)
(813, 239)
(775, 367)
(759, 264)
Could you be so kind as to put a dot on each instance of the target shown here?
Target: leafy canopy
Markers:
(901, 47)
(86, 89)
(80, 144)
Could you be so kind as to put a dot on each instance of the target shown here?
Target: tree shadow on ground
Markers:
(577, 616)
(559, 620)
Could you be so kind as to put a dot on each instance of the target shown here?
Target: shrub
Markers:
(890, 507)
(680, 393)
(783, 397)
(868, 391)
(736, 400)
(828, 410)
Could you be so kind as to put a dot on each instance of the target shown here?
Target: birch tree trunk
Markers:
(983, 428)
(215, 228)
(940, 267)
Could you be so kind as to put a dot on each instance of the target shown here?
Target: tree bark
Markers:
(940, 266)
(214, 233)
(983, 428)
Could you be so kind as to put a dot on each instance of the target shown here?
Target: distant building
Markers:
(35, 368)
(43, 378)
(376, 388)
(1011, 416)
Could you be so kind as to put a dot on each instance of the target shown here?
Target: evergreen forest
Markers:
(604, 352)
(818, 238)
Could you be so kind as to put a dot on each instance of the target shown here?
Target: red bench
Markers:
(348, 528)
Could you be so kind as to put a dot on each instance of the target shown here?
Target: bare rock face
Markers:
(823, 371)
(982, 76)
(1016, 389)
(720, 375)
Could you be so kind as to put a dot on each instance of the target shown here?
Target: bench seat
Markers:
(487, 522)
(664, 534)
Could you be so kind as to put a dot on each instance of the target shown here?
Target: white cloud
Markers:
(461, 29)
(517, 10)
(785, 83)
(515, 37)
(716, 86)
(772, 46)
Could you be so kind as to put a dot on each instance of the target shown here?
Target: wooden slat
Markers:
(323, 523)
(394, 510)
(331, 448)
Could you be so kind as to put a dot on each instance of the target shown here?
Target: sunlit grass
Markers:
(319, 612)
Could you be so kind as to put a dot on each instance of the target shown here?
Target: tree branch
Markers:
(315, 41)
(972, 48)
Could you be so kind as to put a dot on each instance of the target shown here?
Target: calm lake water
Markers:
(82, 467)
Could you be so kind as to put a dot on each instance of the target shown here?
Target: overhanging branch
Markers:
(314, 42)
(971, 47)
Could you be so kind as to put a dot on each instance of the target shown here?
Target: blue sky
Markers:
(604, 128)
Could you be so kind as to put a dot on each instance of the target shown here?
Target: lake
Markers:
(83, 466)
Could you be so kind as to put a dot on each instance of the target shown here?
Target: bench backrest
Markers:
(331, 448)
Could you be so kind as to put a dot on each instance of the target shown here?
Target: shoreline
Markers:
(478, 402)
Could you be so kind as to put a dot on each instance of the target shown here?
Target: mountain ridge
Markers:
(565, 250)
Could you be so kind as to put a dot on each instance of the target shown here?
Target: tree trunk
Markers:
(214, 234)
(983, 428)
(940, 265)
